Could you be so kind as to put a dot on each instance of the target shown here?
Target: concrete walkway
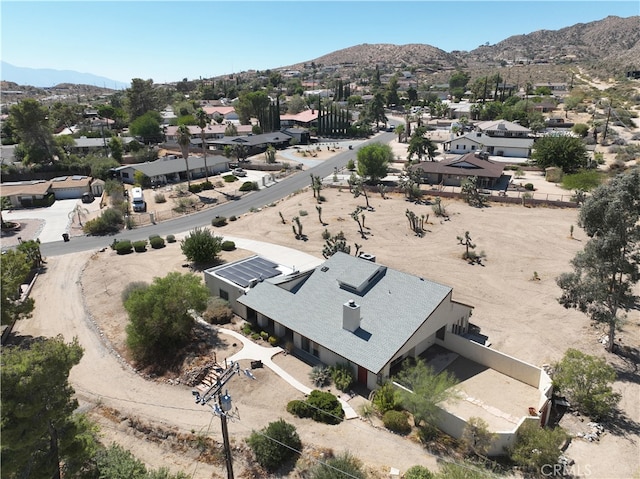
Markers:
(253, 351)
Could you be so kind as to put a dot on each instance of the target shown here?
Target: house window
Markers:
(464, 147)
(473, 147)
(223, 294)
(305, 344)
(125, 175)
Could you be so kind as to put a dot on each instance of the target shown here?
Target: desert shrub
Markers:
(247, 329)
(184, 204)
(586, 382)
(320, 375)
(232, 218)
(249, 186)
(228, 246)
(351, 165)
(171, 239)
(342, 376)
(326, 407)
(325, 234)
(275, 444)
(418, 472)
(255, 336)
(140, 246)
(583, 180)
(299, 408)
(396, 421)
(131, 287)
(124, 247)
(384, 398)
(529, 186)
(427, 432)
(201, 246)
(156, 242)
(218, 311)
(536, 446)
(264, 335)
(110, 221)
(273, 340)
(322, 199)
(159, 198)
(342, 466)
(229, 178)
(206, 185)
(195, 187)
(219, 221)
(303, 213)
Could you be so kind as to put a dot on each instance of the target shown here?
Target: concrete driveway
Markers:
(56, 218)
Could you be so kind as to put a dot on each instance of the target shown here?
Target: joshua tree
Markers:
(319, 210)
(298, 232)
(356, 217)
(470, 192)
(383, 190)
(316, 185)
(334, 244)
(416, 224)
(469, 254)
(438, 208)
(284, 222)
(358, 189)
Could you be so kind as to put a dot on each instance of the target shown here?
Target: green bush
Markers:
(275, 444)
(529, 186)
(171, 239)
(427, 432)
(218, 311)
(273, 340)
(247, 329)
(156, 242)
(228, 246)
(536, 447)
(45, 202)
(124, 247)
(264, 335)
(326, 407)
(159, 198)
(255, 336)
(299, 408)
(384, 398)
(131, 287)
(303, 213)
(140, 246)
(583, 180)
(229, 178)
(342, 376)
(232, 218)
(201, 246)
(397, 422)
(219, 221)
(249, 186)
(207, 185)
(418, 472)
(195, 187)
(110, 221)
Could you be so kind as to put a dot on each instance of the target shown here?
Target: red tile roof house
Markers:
(355, 311)
(453, 172)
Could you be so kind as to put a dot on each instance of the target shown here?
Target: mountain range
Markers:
(47, 77)
(609, 46)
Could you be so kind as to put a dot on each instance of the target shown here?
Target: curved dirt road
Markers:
(101, 377)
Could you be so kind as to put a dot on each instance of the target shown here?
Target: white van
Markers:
(137, 200)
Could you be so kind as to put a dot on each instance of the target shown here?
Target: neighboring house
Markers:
(255, 143)
(172, 169)
(554, 87)
(211, 132)
(302, 135)
(24, 193)
(454, 171)
(459, 110)
(228, 113)
(354, 311)
(70, 187)
(168, 116)
(304, 119)
(514, 147)
(84, 145)
(503, 128)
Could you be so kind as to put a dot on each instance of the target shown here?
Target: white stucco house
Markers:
(354, 311)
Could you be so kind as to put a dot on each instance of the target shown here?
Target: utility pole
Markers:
(221, 405)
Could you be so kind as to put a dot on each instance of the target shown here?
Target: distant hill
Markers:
(46, 77)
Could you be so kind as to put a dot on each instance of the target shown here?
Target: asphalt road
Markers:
(256, 199)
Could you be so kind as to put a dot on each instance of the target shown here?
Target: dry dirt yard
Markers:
(80, 295)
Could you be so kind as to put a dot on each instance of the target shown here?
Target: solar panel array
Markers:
(253, 268)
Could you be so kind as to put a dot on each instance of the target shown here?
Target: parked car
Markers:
(239, 172)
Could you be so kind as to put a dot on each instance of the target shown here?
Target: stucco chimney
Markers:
(350, 315)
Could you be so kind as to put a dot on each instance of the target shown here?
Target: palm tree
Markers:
(184, 140)
(203, 120)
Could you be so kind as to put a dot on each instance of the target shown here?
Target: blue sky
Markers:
(171, 40)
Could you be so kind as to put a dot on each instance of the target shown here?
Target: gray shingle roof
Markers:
(168, 166)
(393, 306)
